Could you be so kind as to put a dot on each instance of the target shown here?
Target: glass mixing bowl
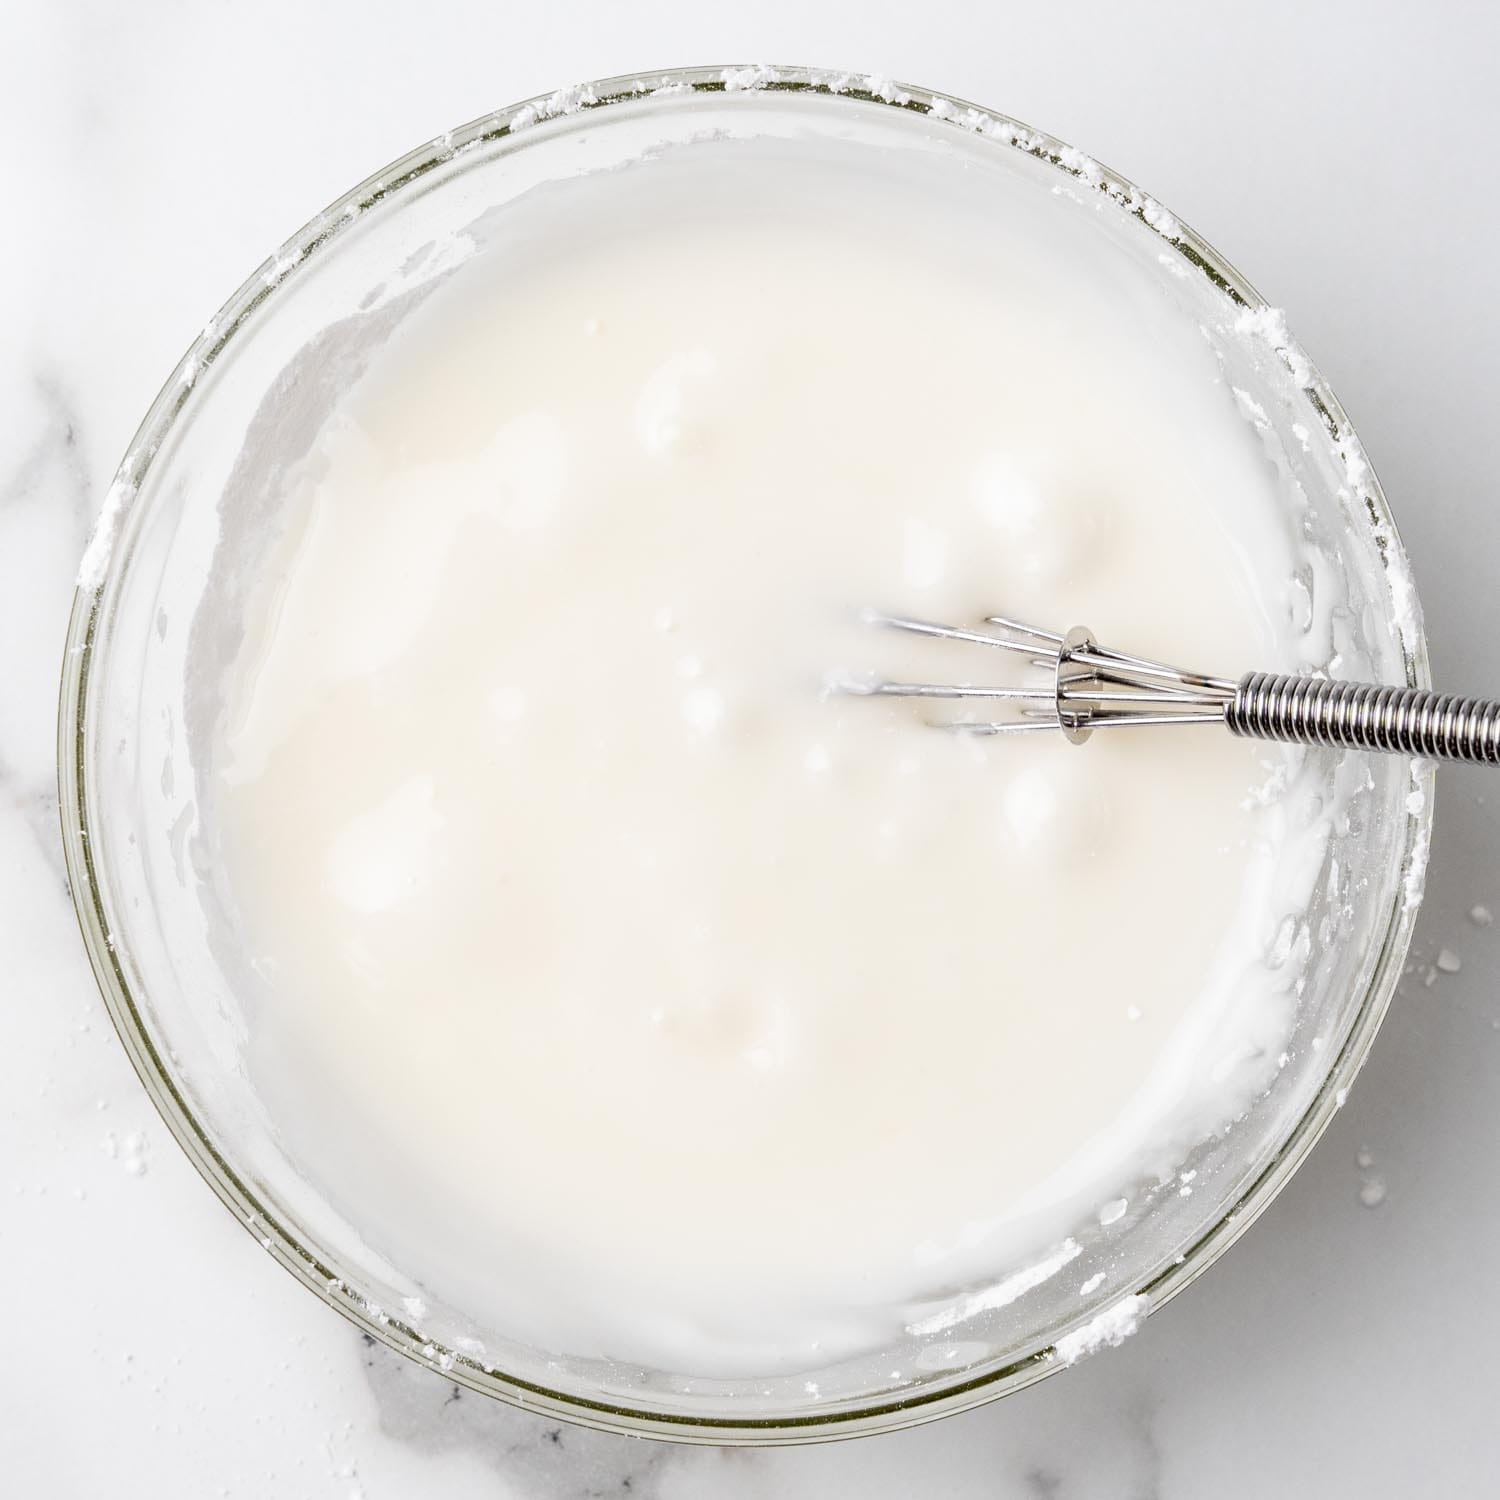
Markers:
(156, 612)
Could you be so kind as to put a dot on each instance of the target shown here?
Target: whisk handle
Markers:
(1365, 716)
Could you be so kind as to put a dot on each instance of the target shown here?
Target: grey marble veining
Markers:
(158, 151)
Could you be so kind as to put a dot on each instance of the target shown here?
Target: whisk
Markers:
(1093, 687)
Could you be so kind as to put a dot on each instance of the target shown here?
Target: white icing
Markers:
(631, 991)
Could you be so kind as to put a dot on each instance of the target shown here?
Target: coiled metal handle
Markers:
(1365, 716)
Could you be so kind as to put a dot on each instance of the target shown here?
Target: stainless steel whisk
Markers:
(1093, 687)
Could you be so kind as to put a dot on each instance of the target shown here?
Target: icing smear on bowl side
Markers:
(628, 991)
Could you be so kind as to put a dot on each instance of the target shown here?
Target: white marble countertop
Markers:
(1338, 154)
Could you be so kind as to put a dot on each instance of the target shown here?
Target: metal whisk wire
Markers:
(1095, 687)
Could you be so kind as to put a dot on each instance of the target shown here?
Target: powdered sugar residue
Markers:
(1001, 1294)
(1269, 325)
(1111, 1327)
(883, 88)
(757, 76)
(101, 545)
(566, 101)
(1414, 881)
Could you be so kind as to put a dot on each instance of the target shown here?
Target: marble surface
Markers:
(1337, 153)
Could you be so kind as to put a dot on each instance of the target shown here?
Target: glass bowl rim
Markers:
(507, 129)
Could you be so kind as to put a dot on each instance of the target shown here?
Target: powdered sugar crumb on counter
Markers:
(1371, 1184)
(1106, 1330)
(128, 1150)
